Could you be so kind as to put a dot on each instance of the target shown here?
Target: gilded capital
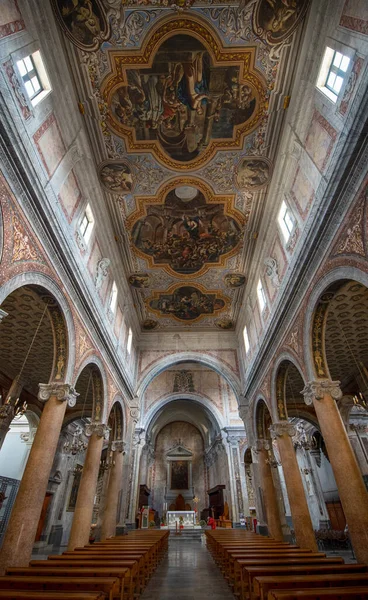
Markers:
(118, 446)
(100, 429)
(316, 390)
(282, 428)
(62, 391)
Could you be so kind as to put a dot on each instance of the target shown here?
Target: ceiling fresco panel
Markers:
(181, 93)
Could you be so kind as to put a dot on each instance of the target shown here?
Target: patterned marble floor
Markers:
(187, 572)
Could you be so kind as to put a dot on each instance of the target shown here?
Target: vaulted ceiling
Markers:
(183, 102)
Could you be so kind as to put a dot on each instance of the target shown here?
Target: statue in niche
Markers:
(102, 271)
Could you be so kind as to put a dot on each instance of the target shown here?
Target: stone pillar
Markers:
(7, 412)
(269, 493)
(283, 431)
(110, 517)
(355, 430)
(350, 484)
(79, 533)
(21, 531)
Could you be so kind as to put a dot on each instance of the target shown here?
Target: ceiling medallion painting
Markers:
(83, 21)
(186, 303)
(276, 20)
(184, 96)
(116, 176)
(184, 232)
(253, 173)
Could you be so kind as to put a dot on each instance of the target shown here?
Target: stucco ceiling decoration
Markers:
(186, 95)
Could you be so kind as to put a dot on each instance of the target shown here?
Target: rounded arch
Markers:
(40, 280)
(117, 415)
(262, 419)
(278, 383)
(154, 412)
(185, 357)
(99, 383)
(315, 318)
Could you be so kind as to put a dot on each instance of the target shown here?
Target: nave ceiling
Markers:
(183, 102)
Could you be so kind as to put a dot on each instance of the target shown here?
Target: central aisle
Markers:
(187, 572)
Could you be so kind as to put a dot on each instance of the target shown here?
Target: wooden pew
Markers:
(134, 576)
(251, 573)
(108, 585)
(348, 593)
(122, 575)
(49, 595)
(240, 565)
(262, 585)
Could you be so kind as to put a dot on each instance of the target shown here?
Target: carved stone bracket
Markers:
(118, 446)
(100, 429)
(3, 314)
(315, 390)
(63, 392)
(282, 428)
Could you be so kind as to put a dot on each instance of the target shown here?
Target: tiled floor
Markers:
(187, 572)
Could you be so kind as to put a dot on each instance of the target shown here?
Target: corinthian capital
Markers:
(282, 428)
(315, 390)
(118, 446)
(63, 392)
(100, 429)
(261, 444)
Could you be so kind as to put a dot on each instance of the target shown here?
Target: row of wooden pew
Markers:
(261, 568)
(117, 568)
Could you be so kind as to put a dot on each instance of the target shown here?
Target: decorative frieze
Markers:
(316, 390)
(63, 392)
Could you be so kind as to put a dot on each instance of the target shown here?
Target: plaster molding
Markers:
(272, 271)
(102, 271)
(316, 390)
(282, 428)
(64, 392)
(100, 429)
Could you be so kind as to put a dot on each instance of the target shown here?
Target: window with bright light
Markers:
(113, 297)
(336, 73)
(286, 221)
(87, 223)
(130, 341)
(33, 74)
(332, 74)
(261, 296)
(30, 77)
(246, 339)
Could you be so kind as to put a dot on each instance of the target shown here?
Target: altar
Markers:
(173, 518)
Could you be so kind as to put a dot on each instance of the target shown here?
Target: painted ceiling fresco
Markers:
(181, 96)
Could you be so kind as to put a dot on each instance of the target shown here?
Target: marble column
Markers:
(269, 492)
(353, 494)
(110, 517)
(283, 431)
(79, 534)
(21, 531)
(7, 411)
